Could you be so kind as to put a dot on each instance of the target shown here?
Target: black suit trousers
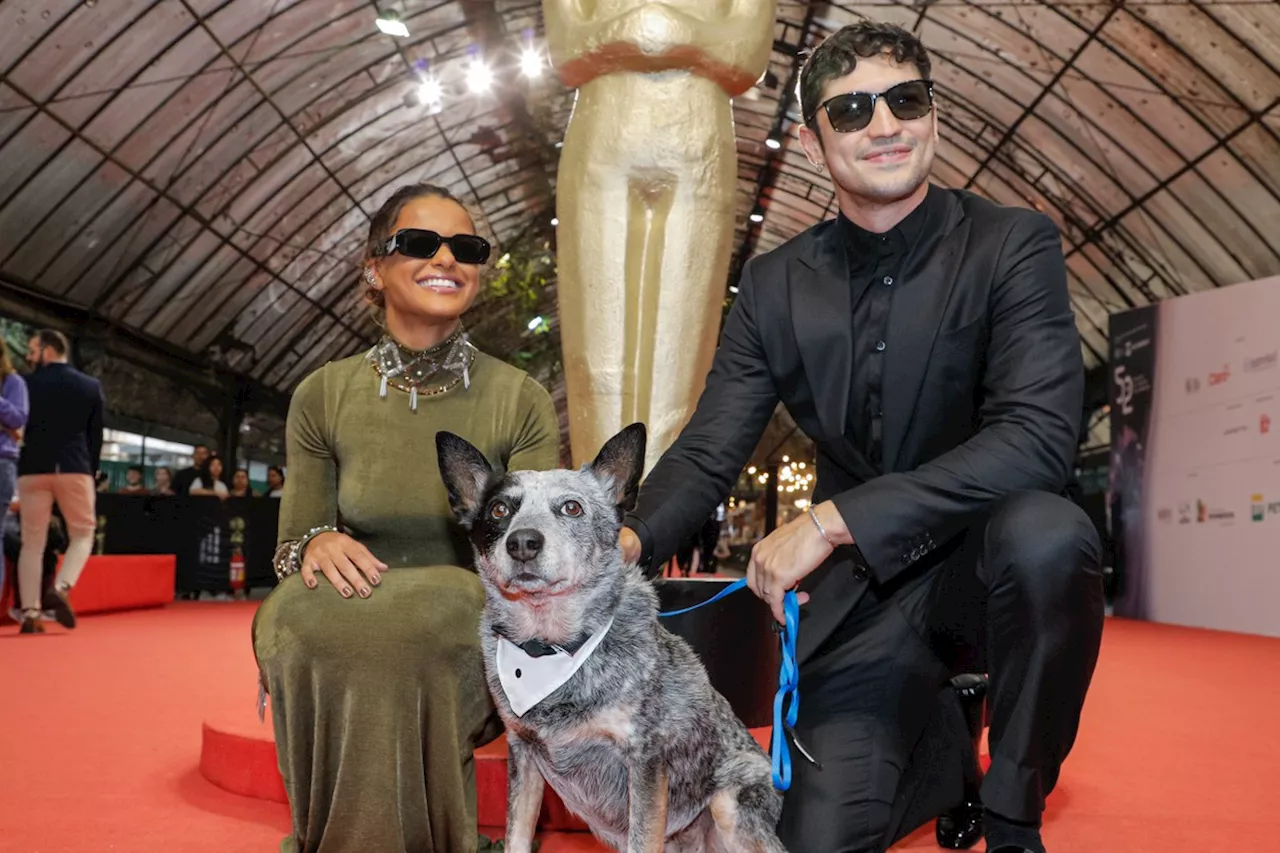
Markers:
(876, 707)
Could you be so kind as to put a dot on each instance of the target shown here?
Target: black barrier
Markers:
(204, 533)
(735, 640)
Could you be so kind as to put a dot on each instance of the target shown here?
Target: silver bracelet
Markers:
(813, 515)
(288, 556)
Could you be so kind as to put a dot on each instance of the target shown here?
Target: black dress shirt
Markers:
(876, 262)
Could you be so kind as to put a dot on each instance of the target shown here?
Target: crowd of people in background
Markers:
(206, 476)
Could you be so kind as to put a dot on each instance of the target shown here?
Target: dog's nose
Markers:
(524, 545)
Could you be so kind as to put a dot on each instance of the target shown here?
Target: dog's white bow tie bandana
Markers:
(527, 680)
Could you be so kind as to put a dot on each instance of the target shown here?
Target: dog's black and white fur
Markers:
(636, 742)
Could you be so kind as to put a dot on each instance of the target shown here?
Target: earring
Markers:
(369, 276)
(820, 166)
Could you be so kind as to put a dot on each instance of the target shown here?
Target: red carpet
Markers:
(101, 735)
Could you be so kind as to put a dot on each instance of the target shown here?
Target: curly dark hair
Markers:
(385, 219)
(838, 55)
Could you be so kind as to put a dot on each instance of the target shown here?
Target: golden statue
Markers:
(645, 199)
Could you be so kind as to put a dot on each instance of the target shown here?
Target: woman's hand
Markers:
(345, 562)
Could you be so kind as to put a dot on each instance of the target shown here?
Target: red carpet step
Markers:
(112, 582)
(238, 754)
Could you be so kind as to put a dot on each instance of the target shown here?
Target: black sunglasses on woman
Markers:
(421, 243)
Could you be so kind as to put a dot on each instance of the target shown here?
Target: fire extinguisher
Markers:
(237, 570)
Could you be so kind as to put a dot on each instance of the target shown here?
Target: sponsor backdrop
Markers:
(1195, 474)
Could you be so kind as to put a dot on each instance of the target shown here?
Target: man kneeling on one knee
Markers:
(925, 341)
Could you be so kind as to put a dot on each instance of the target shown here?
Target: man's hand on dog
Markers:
(345, 562)
(787, 555)
(629, 542)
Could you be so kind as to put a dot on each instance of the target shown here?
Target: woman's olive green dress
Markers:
(379, 703)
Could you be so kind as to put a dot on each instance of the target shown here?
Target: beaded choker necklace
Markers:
(423, 372)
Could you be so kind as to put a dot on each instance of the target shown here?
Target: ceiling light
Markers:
(390, 23)
(531, 63)
(479, 77)
(555, 220)
(535, 322)
(430, 91)
(773, 142)
(733, 288)
(756, 217)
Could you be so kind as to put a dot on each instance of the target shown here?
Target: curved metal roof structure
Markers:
(196, 176)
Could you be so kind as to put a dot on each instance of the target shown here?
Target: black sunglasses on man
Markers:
(853, 110)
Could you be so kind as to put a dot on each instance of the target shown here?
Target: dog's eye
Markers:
(499, 510)
(573, 509)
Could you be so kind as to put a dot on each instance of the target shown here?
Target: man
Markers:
(183, 479)
(925, 342)
(134, 481)
(60, 456)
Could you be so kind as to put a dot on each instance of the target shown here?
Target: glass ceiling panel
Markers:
(72, 43)
(102, 244)
(78, 212)
(56, 180)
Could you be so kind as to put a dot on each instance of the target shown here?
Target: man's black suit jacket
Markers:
(982, 392)
(64, 431)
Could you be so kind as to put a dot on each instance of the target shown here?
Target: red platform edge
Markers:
(243, 761)
(112, 582)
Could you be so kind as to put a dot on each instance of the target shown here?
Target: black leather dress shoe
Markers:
(962, 826)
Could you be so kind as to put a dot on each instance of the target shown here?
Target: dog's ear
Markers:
(466, 474)
(620, 463)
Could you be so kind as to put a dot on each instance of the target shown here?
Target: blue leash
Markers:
(788, 683)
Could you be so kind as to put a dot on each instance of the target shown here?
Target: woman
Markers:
(164, 481)
(275, 482)
(14, 408)
(240, 484)
(369, 646)
(209, 481)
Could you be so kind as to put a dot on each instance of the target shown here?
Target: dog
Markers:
(599, 700)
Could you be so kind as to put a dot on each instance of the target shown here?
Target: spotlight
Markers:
(773, 142)
(479, 77)
(531, 63)
(431, 93)
(555, 220)
(535, 322)
(756, 216)
(390, 23)
(733, 288)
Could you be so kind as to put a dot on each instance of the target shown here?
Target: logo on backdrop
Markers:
(1193, 384)
(1220, 377)
(1124, 391)
(1130, 347)
(1262, 362)
(1184, 513)
(1260, 508)
(1264, 423)
(1205, 513)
